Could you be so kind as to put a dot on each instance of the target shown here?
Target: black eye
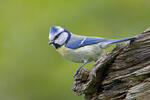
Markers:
(56, 36)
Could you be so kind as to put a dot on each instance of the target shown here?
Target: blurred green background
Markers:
(30, 69)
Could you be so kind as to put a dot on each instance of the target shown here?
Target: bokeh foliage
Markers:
(30, 69)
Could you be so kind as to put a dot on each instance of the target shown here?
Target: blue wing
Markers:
(74, 44)
(79, 41)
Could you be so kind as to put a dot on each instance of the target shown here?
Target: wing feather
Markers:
(84, 41)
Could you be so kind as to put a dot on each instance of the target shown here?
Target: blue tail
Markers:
(111, 41)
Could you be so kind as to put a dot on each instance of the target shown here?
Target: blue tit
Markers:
(79, 49)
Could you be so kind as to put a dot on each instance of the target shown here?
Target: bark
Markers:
(121, 74)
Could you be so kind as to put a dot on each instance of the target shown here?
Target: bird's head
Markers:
(58, 36)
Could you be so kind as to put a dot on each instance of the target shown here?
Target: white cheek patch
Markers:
(51, 37)
(62, 38)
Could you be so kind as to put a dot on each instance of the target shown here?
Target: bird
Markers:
(77, 48)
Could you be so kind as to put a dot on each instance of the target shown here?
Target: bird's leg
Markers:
(80, 68)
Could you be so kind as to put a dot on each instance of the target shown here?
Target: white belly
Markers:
(90, 53)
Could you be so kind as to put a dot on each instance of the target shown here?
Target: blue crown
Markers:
(53, 30)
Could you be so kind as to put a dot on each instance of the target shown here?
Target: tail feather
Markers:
(111, 41)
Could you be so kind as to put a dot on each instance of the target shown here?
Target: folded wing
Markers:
(84, 41)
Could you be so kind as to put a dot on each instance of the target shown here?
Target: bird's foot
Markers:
(79, 69)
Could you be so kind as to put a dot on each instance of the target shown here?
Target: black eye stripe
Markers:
(57, 36)
(69, 35)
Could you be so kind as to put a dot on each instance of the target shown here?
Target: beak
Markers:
(51, 42)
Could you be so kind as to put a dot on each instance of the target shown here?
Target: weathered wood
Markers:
(122, 74)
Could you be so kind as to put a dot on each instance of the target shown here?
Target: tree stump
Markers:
(122, 74)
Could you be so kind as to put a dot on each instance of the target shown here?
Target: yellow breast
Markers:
(81, 54)
(63, 50)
